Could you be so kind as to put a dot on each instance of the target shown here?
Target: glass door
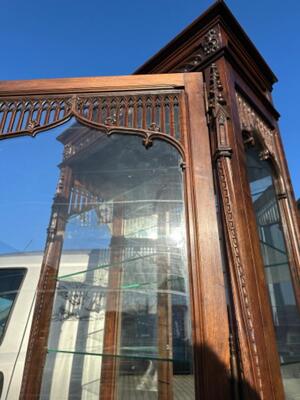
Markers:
(116, 312)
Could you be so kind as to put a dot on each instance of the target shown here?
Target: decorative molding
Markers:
(227, 193)
(208, 45)
(215, 92)
(75, 143)
(29, 115)
(253, 127)
(159, 112)
(218, 117)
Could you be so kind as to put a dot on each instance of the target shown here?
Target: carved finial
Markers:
(154, 127)
(217, 115)
(32, 125)
(147, 142)
(110, 120)
(215, 94)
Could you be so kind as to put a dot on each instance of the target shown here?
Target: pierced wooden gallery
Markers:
(150, 246)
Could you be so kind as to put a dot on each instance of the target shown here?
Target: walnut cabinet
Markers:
(158, 215)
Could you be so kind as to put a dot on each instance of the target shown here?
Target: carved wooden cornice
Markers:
(213, 34)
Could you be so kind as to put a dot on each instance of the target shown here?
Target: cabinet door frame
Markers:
(210, 328)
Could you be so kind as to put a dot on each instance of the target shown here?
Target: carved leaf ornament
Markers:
(207, 46)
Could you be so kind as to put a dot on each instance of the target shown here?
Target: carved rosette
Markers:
(208, 45)
(218, 116)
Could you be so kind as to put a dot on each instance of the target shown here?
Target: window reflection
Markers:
(285, 313)
(10, 282)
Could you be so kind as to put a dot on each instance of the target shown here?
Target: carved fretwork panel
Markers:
(253, 124)
(159, 112)
(29, 115)
(154, 112)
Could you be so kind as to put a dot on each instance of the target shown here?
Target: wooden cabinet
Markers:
(172, 195)
(238, 83)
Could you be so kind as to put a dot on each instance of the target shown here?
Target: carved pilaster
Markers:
(229, 202)
(218, 117)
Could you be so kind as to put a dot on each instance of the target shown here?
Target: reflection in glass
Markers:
(285, 313)
(10, 282)
(120, 322)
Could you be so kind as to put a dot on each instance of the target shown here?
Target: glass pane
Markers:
(29, 176)
(285, 313)
(10, 282)
(120, 321)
